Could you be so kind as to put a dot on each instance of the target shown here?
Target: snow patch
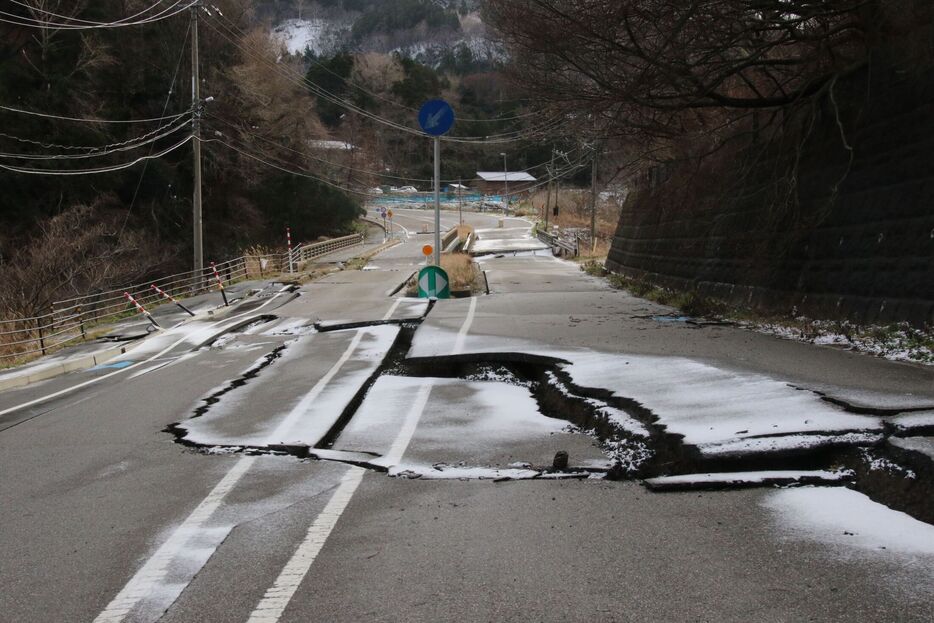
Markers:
(844, 518)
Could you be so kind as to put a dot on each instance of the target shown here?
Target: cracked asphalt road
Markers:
(106, 517)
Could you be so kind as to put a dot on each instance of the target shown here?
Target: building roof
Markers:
(341, 145)
(499, 176)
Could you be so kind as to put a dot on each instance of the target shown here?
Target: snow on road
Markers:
(310, 418)
(720, 411)
(850, 523)
(462, 420)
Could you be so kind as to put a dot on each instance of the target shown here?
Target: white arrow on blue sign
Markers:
(436, 117)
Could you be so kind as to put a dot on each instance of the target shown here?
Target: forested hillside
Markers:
(97, 129)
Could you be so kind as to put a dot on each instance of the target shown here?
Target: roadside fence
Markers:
(565, 247)
(71, 319)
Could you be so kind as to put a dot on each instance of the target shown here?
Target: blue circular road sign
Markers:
(436, 117)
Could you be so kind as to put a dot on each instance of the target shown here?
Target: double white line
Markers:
(276, 598)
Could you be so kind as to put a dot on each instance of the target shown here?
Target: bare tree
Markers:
(664, 65)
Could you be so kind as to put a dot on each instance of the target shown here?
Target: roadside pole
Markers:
(436, 117)
(220, 284)
(551, 183)
(593, 201)
(196, 142)
(437, 201)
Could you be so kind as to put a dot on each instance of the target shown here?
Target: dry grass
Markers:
(461, 270)
(574, 211)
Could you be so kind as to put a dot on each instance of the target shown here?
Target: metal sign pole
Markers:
(437, 201)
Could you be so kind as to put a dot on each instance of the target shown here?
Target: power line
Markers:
(72, 172)
(50, 25)
(348, 167)
(243, 152)
(84, 21)
(363, 89)
(94, 152)
(316, 89)
(165, 106)
(89, 119)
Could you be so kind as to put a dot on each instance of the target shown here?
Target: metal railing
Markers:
(556, 242)
(70, 319)
(308, 252)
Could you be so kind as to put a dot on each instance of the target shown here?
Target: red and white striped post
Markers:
(288, 238)
(171, 298)
(220, 284)
(141, 309)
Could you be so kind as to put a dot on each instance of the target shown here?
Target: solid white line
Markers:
(154, 571)
(277, 597)
(98, 379)
(462, 334)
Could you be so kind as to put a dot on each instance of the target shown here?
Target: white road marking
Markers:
(462, 334)
(98, 379)
(151, 369)
(278, 596)
(392, 309)
(278, 436)
(153, 572)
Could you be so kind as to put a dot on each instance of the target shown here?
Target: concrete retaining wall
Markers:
(865, 252)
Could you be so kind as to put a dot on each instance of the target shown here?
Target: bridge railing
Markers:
(317, 249)
(555, 242)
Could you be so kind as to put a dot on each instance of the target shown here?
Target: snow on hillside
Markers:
(327, 36)
(319, 35)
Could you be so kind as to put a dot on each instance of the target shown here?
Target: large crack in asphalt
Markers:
(901, 479)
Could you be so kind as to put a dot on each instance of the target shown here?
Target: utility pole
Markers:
(196, 139)
(460, 202)
(505, 184)
(593, 200)
(551, 182)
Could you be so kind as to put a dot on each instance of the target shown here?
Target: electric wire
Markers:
(291, 169)
(265, 160)
(345, 166)
(387, 100)
(165, 107)
(50, 25)
(91, 120)
(109, 169)
(316, 89)
(85, 21)
(96, 152)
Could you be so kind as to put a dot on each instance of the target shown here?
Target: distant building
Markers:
(331, 145)
(495, 182)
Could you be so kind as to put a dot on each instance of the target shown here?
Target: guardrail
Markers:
(555, 242)
(317, 249)
(70, 319)
(448, 238)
